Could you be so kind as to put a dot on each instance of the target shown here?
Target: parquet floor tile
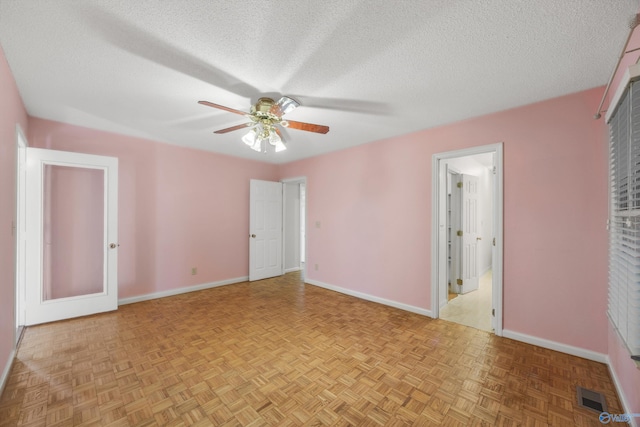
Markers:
(279, 352)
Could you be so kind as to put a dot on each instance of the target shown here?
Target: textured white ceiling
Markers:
(368, 69)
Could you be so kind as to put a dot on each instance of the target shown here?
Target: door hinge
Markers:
(493, 312)
(459, 185)
(494, 241)
(459, 282)
(459, 233)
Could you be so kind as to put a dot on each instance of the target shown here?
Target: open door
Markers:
(470, 234)
(71, 247)
(265, 229)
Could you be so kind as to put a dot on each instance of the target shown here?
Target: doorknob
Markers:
(478, 238)
(253, 236)
(113, 245)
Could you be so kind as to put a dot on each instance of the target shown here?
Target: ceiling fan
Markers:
(265, 117)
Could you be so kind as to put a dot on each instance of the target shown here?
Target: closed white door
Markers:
(265, 229)
(71, 223)
(470, 233)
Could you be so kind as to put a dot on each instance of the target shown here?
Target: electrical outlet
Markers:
(194, 271)
(315, 266)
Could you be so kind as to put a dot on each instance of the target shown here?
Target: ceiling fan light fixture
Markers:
(274, 138)
(276, 141)
(257, 146)
(250, 137)
(266, 116)
(253, 140)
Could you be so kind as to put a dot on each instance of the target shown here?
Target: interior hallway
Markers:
(473, 308)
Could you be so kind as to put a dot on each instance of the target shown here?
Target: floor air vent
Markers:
(591, 400)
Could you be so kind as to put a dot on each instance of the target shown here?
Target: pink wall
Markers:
(178, 208)
(374, 205)
(12, 112)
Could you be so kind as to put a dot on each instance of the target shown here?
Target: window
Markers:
(624, 219)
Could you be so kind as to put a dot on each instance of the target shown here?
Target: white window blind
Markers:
(624, 219)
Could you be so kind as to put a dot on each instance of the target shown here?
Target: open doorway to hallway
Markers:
(294, 207)
(467, 237)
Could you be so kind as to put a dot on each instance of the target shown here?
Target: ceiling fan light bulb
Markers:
(274, 139)
(249, 138)
(257, 145)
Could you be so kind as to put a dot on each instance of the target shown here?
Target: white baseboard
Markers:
(7, 369)
(367, 297)
(623, 398)
(553, 345)
(289, 270)
(178, 291)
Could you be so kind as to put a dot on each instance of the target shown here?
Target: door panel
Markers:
(265, 229)
(455, 243)
(72, 224)
(470, 233)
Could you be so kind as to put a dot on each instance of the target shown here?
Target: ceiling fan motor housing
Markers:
(264, 105)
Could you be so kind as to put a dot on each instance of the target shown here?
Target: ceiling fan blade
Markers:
(232, 128)
(309, 127)
(349, 105)
(222, 107)
(284, 105)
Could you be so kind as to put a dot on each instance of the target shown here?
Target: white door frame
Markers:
(438, 227)
(296, 180)
(20, 233)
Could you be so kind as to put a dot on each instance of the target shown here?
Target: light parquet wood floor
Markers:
(281, 353)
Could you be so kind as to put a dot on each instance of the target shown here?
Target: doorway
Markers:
(467, 237)
(294, 207)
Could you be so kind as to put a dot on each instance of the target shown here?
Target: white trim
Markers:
(300, 180)
(294, 180)
(19, 234)
(172, 292)
(553, 345)
(498, 213)
(630, 74)
(626, 408)
(367, 297)
(6, 371)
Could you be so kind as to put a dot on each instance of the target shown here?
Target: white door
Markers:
(71, 222)
(265, 229)
(470, 233)
(455, 242)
